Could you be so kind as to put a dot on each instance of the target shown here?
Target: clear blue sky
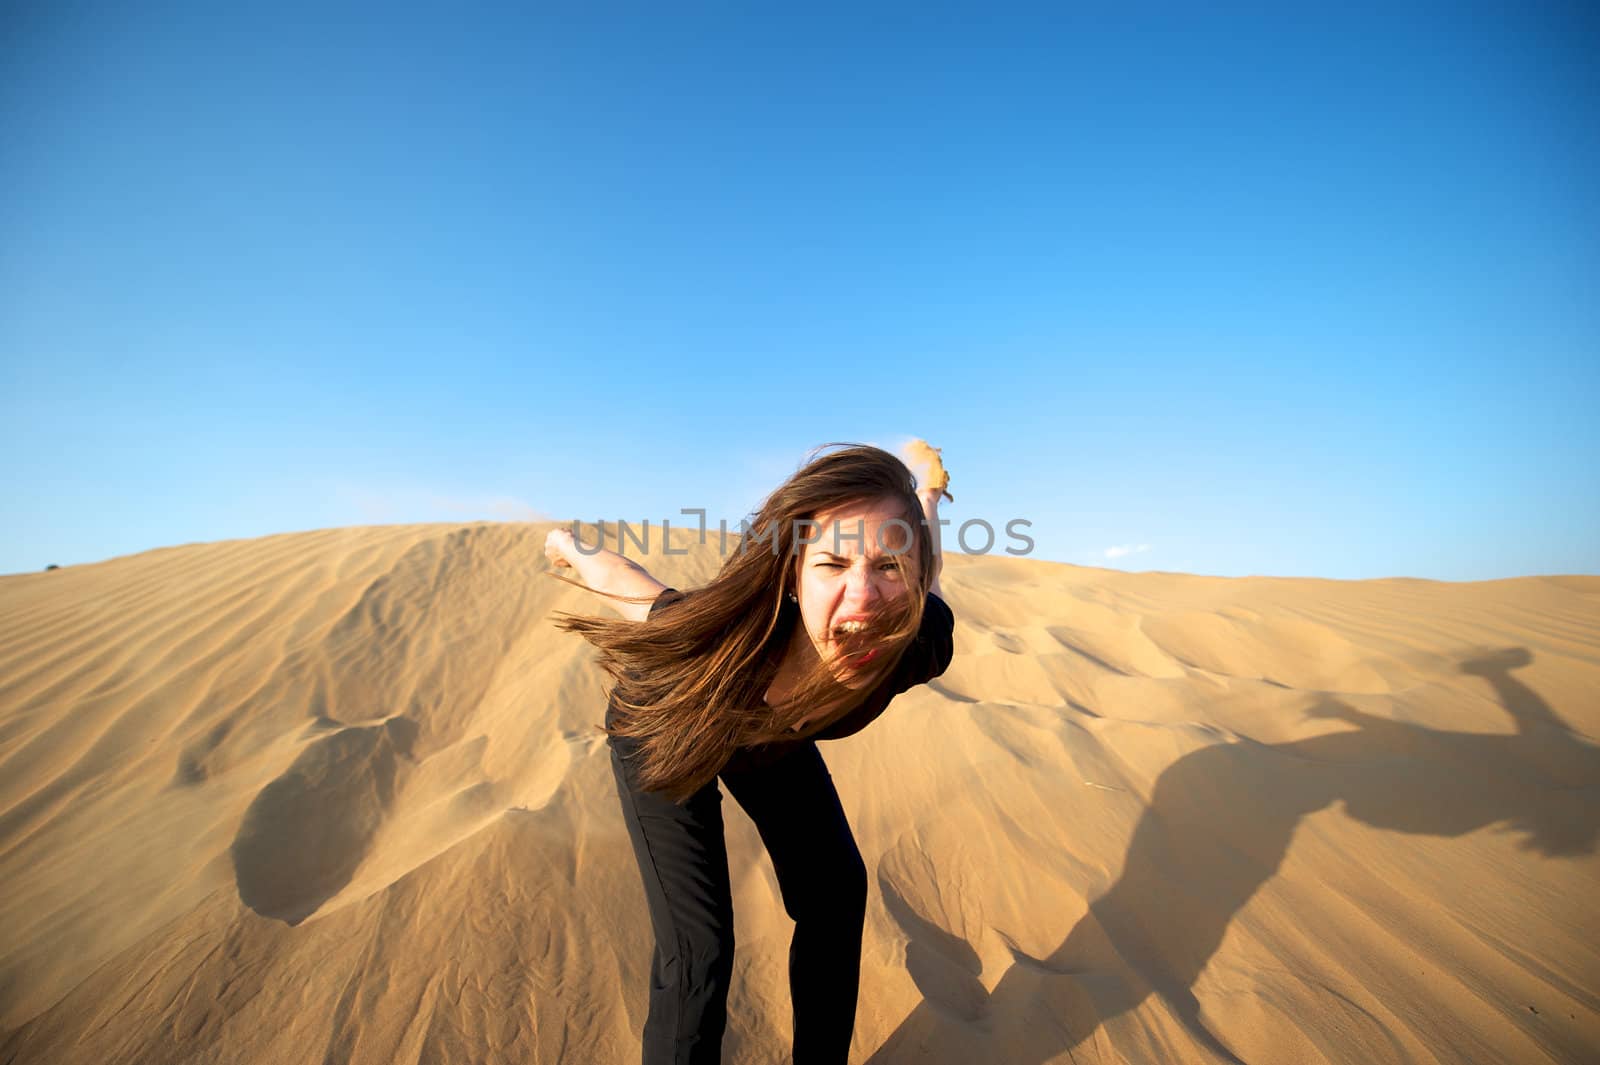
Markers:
(1237, 292)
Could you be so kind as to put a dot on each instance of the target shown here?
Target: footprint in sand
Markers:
(306, 833)
(1008, 643)
(944, 966)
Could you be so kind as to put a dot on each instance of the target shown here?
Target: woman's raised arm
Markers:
(930, 524)
(625, 584)
(933, 484)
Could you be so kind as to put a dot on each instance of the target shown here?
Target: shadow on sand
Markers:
(306, 833)
(1217, 828)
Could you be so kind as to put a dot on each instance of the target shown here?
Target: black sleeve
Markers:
(668, 595)
(931, 649)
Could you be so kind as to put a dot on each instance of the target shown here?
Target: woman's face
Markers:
(848, 578)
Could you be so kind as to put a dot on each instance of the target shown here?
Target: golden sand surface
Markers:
(339, 797)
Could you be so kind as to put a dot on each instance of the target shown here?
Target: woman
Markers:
(822, 615)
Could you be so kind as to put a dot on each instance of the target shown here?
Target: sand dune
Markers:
(338, 796)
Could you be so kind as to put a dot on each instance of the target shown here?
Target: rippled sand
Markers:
(338, 796)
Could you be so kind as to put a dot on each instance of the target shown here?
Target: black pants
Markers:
(684, 863)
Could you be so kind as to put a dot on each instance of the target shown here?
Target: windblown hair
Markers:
(691, 681)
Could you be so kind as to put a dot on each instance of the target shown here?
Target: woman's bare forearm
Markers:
(612, 574)
(930, 522)
(608, 573)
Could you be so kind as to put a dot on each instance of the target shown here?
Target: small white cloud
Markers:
(471, 508)
(411, 503)
(1124, 550)
(510, 509)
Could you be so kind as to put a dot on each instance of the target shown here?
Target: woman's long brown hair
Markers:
(691, 681)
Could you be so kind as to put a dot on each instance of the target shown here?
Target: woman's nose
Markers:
(862, 585)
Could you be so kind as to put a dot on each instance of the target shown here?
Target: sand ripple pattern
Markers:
(338, 796)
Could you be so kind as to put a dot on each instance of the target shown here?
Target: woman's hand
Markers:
(559, 548)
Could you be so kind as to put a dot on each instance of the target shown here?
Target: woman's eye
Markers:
(830, 565)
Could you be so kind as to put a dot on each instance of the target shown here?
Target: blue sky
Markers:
(1241, 292)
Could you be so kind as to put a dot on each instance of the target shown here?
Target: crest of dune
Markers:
(340, 796)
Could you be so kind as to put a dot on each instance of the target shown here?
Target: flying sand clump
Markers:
(923, 458)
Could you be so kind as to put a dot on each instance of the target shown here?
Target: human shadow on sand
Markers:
(1217, 828)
